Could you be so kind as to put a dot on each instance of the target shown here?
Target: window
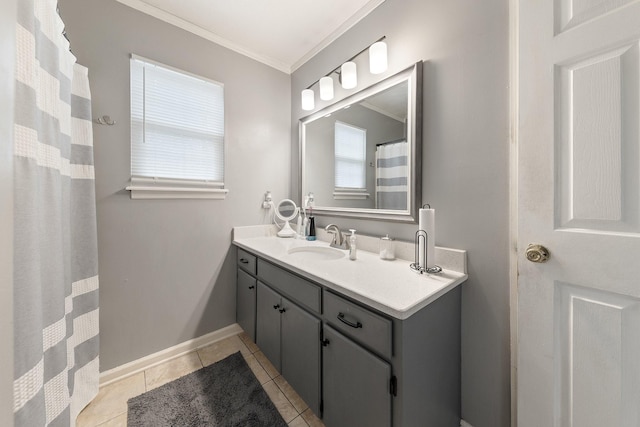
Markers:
(350, 161)
(177, 133)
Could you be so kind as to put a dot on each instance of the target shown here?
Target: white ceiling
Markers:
(391, 102)
(281, 33)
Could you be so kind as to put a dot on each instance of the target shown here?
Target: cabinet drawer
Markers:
(368, 328)
(246, 261)
(299, 289)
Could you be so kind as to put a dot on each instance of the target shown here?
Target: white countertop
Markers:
(389, 286)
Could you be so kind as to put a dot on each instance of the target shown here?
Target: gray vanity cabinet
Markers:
(301, 353)
(352, 364)
(290, 338)
(246, 303)
(268, 330)
(246, 292)
(356, 384)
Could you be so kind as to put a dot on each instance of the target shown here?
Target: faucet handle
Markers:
(337, 235)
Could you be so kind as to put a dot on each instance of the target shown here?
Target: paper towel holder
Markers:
(421, 238)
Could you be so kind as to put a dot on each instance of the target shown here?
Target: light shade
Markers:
(378, 58)
(349, 75)
(326, 88)
(308, 101)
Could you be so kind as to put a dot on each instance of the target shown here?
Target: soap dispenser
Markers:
(312, 228)
(386, 248)
(352, 245)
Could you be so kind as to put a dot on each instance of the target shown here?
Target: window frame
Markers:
(343, 193)
(144, 187)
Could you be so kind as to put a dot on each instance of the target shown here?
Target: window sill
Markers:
(344, 195)
(157, 192)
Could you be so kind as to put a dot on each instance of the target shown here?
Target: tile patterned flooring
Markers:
(109, 408)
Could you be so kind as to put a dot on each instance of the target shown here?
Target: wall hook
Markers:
(105, 120)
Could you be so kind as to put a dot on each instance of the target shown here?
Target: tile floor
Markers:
(109, 408)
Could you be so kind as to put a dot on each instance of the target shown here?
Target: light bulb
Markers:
(349, 75)
(326, 88)
(308, 101)
(378, 58)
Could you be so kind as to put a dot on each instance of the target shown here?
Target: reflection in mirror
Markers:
(361, 156)
(286, 210)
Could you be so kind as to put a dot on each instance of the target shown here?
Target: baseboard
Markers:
(463, 423)
(139, 365)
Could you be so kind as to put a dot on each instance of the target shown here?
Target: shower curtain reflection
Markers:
(391, 175)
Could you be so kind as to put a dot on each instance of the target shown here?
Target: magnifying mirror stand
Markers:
(286, 211)
(287, 231)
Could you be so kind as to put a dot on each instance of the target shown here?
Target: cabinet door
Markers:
(268, 324)
(246, 303)
(301, 353)
(356, 384)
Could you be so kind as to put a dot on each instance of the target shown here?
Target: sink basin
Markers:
(320, 253)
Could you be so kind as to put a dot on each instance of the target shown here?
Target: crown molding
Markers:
(287, 68)
(205, 34)
(346, 26)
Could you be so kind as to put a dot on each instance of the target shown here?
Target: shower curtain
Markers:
(55, 243)
(391, 175)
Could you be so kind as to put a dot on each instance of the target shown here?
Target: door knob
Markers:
(537, 253)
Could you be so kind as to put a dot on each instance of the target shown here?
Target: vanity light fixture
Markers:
(308, 101)
(326, 88)
(378, 57)
(347, 74)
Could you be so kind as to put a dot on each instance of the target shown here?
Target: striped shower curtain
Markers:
(55, 244)
(391, 176)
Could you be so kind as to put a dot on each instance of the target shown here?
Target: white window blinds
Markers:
(350, 156)
(177, 124)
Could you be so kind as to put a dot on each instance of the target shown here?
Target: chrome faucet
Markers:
(338, 240)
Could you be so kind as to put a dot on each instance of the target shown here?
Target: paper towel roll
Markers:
(426, 222)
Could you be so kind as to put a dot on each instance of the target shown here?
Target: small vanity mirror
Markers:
(286, 211)
(361, 157)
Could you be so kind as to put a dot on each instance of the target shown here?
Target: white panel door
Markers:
(579, 196)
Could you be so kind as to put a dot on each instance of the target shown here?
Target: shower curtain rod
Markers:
(392, 142)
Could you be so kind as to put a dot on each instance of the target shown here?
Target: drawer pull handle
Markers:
(251, 287)
(244, 260)
(346, 322)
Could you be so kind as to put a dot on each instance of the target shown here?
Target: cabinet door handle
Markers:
(277, 306)
(244, 260)
(251, 287)
(346, 322)
(282, 310)
(324, 342)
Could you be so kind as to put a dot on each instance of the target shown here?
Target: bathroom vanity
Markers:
(365, 343)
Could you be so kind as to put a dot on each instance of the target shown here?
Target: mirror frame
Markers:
(413, 75)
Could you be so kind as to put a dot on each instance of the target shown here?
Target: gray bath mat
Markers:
(225, 394)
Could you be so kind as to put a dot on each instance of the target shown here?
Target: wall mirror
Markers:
(361, 157)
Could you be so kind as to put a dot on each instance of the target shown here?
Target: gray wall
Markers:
(465, 158)
(166, 268)
(7, 53)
